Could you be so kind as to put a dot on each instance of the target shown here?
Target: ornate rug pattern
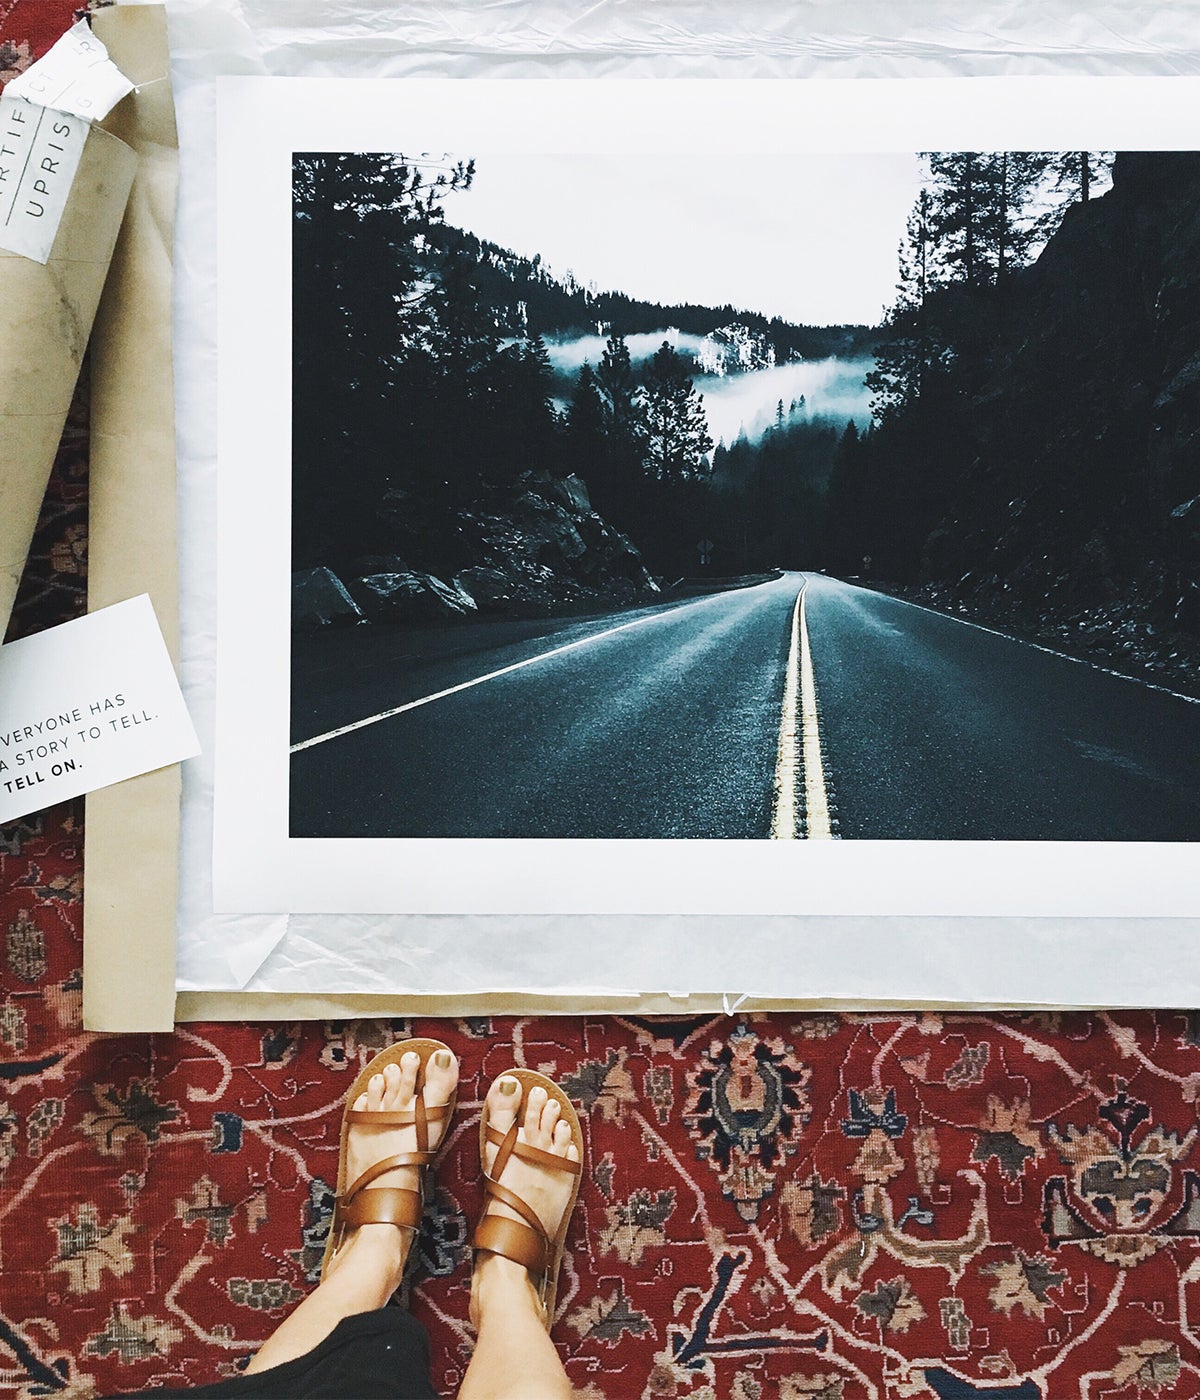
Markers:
(814, 1207)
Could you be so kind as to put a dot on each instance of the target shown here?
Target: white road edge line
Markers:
(816, 800)
(479, 680)
(1037, 646)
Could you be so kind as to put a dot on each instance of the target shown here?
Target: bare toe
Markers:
(406, 1078)
(441, 1075)
(546, 1125)
(503, 1100)
(534, 1104)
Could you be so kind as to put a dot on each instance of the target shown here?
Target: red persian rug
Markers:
(811, 1207)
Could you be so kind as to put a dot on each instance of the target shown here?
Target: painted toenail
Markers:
(442, 1059)
(509, 1086)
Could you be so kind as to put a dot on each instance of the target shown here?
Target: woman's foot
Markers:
(367, 1265)
(499, 1283)
(384, 1248)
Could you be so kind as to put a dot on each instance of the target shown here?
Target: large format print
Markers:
(620, 511)
(648, 494)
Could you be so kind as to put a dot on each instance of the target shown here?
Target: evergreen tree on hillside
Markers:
(586, 435)
(463, 397)
(979, 212)
(351, 330)
(959, 200)
(520, 423)
(587, 412)
(618, 384)
(1075, 176)
(1015, 176)
(675, 439)
(1076, 173)
(904, 361)
(846, 504)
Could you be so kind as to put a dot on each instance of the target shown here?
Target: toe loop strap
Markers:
(384, 1205)
(398, 1117)
(528, 1153)
(509, 1238)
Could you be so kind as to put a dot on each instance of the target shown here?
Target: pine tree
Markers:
(847, 505)
(587, 411)
(904, 361)
(618, 384)
(586, 435)
(1076, 175)
(518, 423)
(675, 439)
(959, 203)
(1015, 176)
(979, 212)
(363, 307)
(1077, 172)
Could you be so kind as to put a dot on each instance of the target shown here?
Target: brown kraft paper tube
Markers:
(46, 315)
(131, 850)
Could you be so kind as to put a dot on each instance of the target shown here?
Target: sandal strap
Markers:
(527, 1153)
(419, 1115)
(497, 1234)
(525, 1241)
(382, 1205)
(494, 1190)
(373, 1173)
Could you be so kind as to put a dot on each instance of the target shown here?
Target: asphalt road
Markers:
(665, 722)
(936, 729)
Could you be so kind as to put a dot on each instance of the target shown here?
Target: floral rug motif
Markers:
(834, 1206)
(804, 1206)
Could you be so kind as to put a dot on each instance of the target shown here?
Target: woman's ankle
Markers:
(500, 1285)
(373, 1259)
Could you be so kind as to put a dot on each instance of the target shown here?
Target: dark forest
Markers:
(1035, 403)
(424, 395)
(1033, 456)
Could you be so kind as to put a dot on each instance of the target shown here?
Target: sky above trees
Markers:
(811, 238)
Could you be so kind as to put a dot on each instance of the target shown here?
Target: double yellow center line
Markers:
(799, 761)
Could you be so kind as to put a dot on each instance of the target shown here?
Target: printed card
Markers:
(86, 705)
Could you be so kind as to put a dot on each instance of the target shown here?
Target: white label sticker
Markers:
(88, 704)
(39, 155)
(75, 76)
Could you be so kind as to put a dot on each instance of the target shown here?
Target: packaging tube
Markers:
(131, 852)
(46, 314)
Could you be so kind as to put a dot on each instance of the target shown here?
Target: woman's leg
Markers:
(514, 1358)
(366, 1271)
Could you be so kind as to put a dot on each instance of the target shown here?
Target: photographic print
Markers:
(783, 496)
(707, 498)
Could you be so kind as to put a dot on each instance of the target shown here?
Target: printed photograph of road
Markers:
(625, 508)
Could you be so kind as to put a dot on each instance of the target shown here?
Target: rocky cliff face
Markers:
(529, 550)
(1084, 490)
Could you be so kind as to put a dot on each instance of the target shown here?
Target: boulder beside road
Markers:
(410, 596)
(320, 599)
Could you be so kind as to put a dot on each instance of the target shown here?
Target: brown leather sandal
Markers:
(526, 1241)
(360, 1203)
